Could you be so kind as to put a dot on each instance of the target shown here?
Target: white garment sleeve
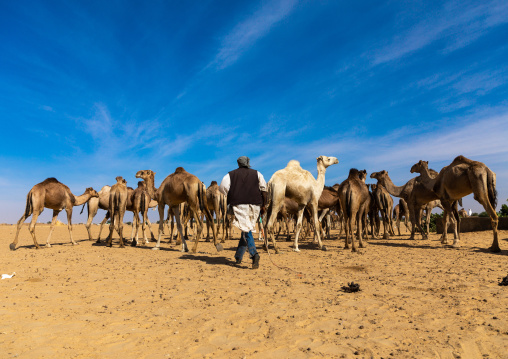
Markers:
(225, 185)
(262, 182)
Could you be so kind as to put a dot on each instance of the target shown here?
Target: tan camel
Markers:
(140, 201)
(461, 178)
(354, 200)
(298, 184)
(403, 192)
(463, 213)
(216, 202)
(178, 187)
(384, 202)
(102, 202)
(53, 195)
(117, 206)
(401, 210)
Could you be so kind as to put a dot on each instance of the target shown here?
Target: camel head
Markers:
(120, 180)
(420, 166)
(379, 175)
(362, 175)
(145, 174)
(327, 161)
(92, 192)
(141, 184)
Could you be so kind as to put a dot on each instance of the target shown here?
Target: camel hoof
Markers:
(12, 246)
(207, 240)
(219, 247)
(134, 244)
(155, 248)
(275, 250)
(495, 249)
(296, 250)
(48, 245)
(324, 248)
(386, 236)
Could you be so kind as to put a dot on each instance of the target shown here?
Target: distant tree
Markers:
(504, 211)
(128, 223)
(474, 214)
(433, 218)
(483, 214)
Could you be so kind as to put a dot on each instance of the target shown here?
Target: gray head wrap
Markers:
(243, 161)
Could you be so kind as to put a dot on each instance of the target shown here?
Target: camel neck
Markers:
(150, 187)
(391, 188)
(79, 200)
(321, 175)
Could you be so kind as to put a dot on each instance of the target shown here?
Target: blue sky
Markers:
(90, 90)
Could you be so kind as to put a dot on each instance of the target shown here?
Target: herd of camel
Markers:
(292, 191)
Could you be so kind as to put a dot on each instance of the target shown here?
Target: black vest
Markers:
(244, 187)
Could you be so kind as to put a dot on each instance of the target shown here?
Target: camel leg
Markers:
(160, 208)
(111, 229)
(207, 231)
(69, 225)
(317, 225)
(91, 214)
(176, 212)
(31, 227)
(12, 246)
(100, 227)
(199, 226)
(135, 228)
(120, 226)
(301, 209)
(53, 222)
(143, 226)
(359, 230)
(398, 224)
(272, 217)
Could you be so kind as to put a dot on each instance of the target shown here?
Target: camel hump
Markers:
(50, 180)
(462, 159)
(293, 163)
(213, 183)
(180, 170)
(353, 172)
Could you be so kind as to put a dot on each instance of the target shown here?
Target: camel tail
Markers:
(29, 206)
(491, 186)
(201, 197)
(349, 202)
(82, 208)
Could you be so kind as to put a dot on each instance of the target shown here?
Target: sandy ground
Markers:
(417, 300)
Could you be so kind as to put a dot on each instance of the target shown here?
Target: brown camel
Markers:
(403, 192)
(328, 201)
(178, 187)
(423, 191)
(216, 202)
(463, 213)
(401, 210)
(461, 178)
(117, 206)
(299, 185)
(140, 201)
(53, 195)
(354, 199)
(384, 203)
(102, 202)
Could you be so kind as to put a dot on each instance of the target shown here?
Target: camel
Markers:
(53, 195)
(216, 202)
(178, 187)
(354, 200)
(298, 184)
(117, 206)
(140, 202)
(463, 213)
(384, 203)
(401, 210)
(403, 192)
(102, 202)
(461, 178)
(328, 200)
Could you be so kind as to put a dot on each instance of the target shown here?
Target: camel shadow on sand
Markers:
(209, 259)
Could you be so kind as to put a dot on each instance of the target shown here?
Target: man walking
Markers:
(245, 189)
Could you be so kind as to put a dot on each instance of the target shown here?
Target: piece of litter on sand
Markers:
(504, 281)
(6, 276)
(351, 288)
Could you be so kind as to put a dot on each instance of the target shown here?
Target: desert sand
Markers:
(418, 299)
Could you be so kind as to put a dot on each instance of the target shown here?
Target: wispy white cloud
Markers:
(458, 23)
(247, 32)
